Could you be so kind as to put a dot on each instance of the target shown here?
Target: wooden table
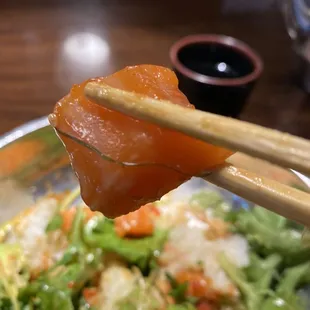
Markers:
(46, 46)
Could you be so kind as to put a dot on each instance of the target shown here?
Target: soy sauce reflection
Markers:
(215, 60)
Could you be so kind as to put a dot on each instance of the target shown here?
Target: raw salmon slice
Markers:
(115, 189)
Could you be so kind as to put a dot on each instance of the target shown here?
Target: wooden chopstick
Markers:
(271, 145)
(282, 199)
(277, 197)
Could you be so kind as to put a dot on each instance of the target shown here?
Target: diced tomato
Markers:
(69, 214)
(204, 306)
(135, 224)
(198, 284)
(45, 261)
(90, 294)
(70, 284)
(152, 207)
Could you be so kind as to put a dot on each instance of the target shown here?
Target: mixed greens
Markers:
(279, 265)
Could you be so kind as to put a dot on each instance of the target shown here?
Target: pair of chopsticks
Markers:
(276, 147)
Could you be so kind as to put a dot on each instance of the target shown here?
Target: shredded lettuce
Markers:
(12, 274)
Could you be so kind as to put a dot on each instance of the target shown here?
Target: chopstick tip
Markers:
(94, 89)
(52, 118)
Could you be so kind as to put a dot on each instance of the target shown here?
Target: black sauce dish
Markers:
(216, 72)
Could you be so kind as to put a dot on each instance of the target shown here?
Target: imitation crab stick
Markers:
(167, 158)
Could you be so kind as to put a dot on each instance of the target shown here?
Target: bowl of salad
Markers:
(199, 247)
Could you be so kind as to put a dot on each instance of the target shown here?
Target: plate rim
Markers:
(23, 130)
(41, 122)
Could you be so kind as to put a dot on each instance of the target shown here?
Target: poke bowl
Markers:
(199, 247)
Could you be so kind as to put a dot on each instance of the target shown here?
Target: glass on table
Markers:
(297, 18)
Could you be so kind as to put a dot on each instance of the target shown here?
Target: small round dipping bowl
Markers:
(216, 72)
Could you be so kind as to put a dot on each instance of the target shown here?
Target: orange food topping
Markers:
(135, 224)
(217, 229)
(15, 156)
(110, 187)
(68, 217)
(204, 306)
(71, 284)
(198, 284)
(90, 294)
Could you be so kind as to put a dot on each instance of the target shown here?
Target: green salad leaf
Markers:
(269, 233)
(255, 280)
(214, 201)
(185, 306)
(55, 223)
(270, 219)
(57, 220)
(260, 272)
(207, 199)
(251, 296)
(57, 287)
(285, 296)
(178, 291)
(99, 232)
(279, 263)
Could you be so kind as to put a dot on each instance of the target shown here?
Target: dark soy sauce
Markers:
(215, 60)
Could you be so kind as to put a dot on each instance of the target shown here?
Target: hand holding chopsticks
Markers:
(271, 145)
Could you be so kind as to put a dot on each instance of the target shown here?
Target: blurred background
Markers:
(46, 46)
